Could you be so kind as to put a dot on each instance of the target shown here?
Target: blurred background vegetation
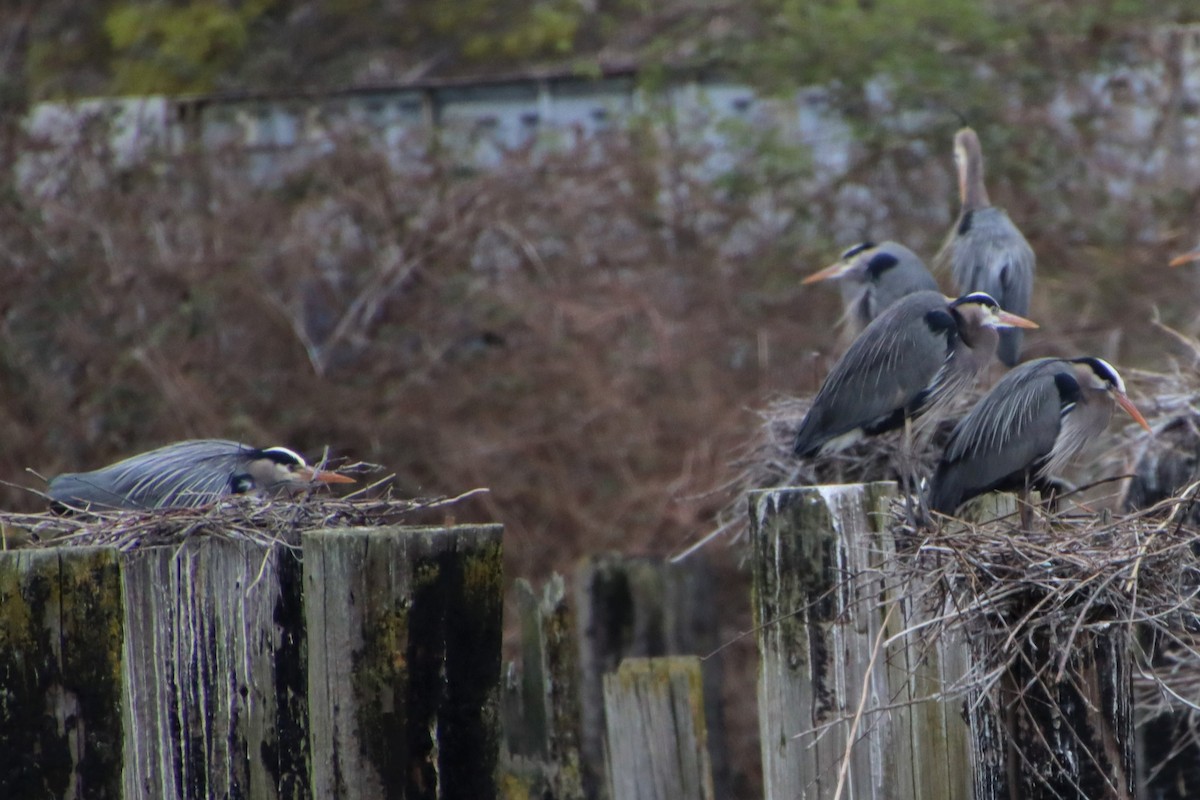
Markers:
(586, 331)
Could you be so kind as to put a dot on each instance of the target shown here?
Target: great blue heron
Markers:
(911, 357)
(984, 250)
(1027, 428)
(188, 474)
(873, 276)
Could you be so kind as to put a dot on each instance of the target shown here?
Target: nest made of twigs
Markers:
(1027, 599)
(263, 520)
(1132, 468)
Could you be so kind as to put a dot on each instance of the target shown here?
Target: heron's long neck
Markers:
(979, 345)
(971, 190)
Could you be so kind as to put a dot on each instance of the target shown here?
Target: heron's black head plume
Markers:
(856, 249)
(1103, 370)
(978, 298)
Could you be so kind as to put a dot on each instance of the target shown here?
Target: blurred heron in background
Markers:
(984, 251)
(871, 277)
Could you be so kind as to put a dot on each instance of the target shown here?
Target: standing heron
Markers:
(873, 276)
(189, 474)
(984, 251)
(914, 356)
(1027, 428)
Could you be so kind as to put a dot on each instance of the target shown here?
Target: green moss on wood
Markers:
(381, 687)
(60, 657)
(426, 679)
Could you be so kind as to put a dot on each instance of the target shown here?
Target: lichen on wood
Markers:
(840, 694)
(60, 674)
(657, 738)
(404, 629)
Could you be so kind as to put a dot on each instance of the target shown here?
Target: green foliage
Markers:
(960, 54)
(934, 44)
(164, 48)
(484, 29)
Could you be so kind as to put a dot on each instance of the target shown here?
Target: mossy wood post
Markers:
(164, 672)
(657, 748)
(214, 695)
(825, 604)
(644, 607)
(60, 674)
(541, 700)
(404, 632)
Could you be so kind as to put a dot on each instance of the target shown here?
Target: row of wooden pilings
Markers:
(366, 663)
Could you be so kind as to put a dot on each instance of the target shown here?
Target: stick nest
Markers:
(1160, 464)
(267, 521)
(1035, 603)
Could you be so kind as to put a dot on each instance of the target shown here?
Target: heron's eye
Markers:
(240, 484)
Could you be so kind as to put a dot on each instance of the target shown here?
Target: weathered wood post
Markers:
(213, 678)
(541, 700)
(657, 748)
(643, 607)
(838, 710)
(60, 674)
(404, 629)
(201, 670)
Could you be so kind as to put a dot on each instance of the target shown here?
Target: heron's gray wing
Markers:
(1013, 427)
(82, 489)
(989, 254)
(885, 369)
(183, 474)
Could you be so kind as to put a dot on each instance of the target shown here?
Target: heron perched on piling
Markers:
(872, 277)
(188, 474)
(1032, 422)
(984, 251)
(912, 357)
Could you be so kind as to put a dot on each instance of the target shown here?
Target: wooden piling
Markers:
(644, 607)
(541, 700)
(657, 748)
(404, 630)
(838, 707)
(1045, 733)
(60, 674)
(220, 668)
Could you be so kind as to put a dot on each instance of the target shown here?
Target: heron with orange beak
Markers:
(1022, 432)
(910, 360)
(189, 474)
(872, 277)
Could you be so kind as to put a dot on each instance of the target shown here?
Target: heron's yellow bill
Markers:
(1013, 321)
(1186, 258)
(323, 476)
(832, 271)
(1127, 404)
